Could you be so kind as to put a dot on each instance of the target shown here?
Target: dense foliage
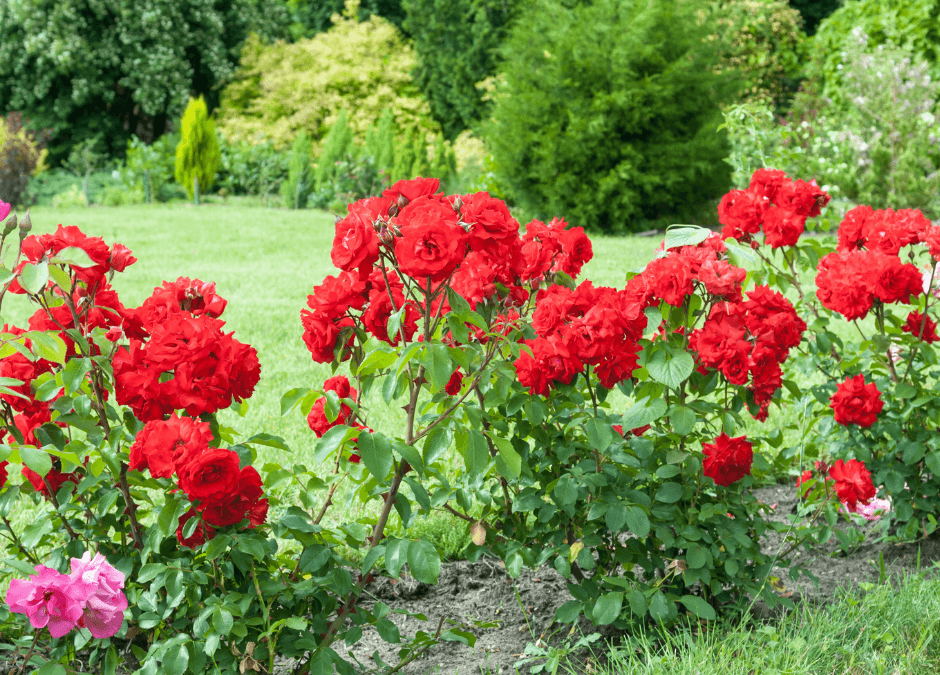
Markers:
(814, 11)
(608, 113)
(112, 68)
(455, 43)
(309, 17)
(283, 89)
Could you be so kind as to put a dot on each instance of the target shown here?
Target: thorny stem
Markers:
(29, 654)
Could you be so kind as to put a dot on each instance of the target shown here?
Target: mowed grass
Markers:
(890, 629)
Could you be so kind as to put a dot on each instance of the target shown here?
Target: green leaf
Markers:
(73, 255)
(659, 607)
(599, 434)
(638, 522)
(37, 460)
(699, 607)
(684, 235)
(291, 399)
(297, 519)
(637, 603)
(34, 277)
(615, 517)
(437, 442)
(222, 621)
(696, 556)
(608, 607)
(269, 440)
(913, 451)
(670, 367)
(175, 660)
(73, 375)
(424, 561)
(388, 631)
(933, 462)
(437, 366)
(396, 554)
(566, 490)
(376, 360)
(683, 419)
(643, 412)
(48, 346)
(669, 493)
(569, 612)
(509, 463)
(51, 668)
(376, 453)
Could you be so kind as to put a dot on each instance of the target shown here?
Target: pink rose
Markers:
(47, 598)
(101, 585)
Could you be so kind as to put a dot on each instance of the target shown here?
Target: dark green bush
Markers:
(250, 169)
(609, 113)
(455, 43)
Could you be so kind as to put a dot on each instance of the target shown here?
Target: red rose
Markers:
(844, 284)
(121, 258)
(576, 250)
(853, 482)
(721, 278)
(741, 212)
(317, 419)
(412, 189)
(801, 198)
(804, 477)
(165, 446)
(322, 336)
(782, 227)
(356, 244)
(234, 507)
(856, 402)
(490, 222)
(3, 473)
(670, 279)
(852, 230)
(210, 476)
(475, 279)
(380, 309)
(454, 384)
(337, 295)
(727, 460)
(431, 243)
(766, 182)
(921, 326)
(893, 280)
(200, 535)
(54, 479)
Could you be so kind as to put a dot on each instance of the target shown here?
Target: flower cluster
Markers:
(748, 341)
(469, 243)
(224, 493)
(866, 268)
(586, 326)
(89, 597)
(183, 360)
(853, 485)
(773, 203)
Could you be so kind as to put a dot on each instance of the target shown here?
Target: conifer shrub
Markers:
(297, 187)
(197, 155)
(609, 113)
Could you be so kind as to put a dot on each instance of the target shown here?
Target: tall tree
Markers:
(198, 154)
(112, 68)
(455, 44)
(309, 17)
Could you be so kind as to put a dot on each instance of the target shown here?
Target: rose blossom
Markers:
(727, 460)
(103, 611)
(853, 482)
(856, 402)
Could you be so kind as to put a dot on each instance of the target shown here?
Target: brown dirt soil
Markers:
(482, 591)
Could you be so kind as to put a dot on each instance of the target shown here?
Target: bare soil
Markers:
(520, 611)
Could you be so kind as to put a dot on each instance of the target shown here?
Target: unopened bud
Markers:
(401, 201)
(457, 204)
(393, 210)
(10, 226)
(25, 225)
(386, 236)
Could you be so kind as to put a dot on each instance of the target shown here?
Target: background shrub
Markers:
(197, 155)
(22, 155)
(283, 89)
(814, 11)
(455, 43)
(87, 68)
(299, 183)
(309, 17)
(250, 168)
(761, 41)
(608, 113)
(149, 167)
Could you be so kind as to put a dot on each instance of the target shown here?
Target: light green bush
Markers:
(197, 155)
(283, 89)
(299, 183)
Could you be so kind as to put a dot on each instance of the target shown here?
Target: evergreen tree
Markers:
(337, 144)
(456, 44)
(198, 154)
(297, 187)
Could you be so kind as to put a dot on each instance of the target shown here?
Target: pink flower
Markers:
(48, 598)
(89, 597)
(873, 510)
(4, 210)
(101, 584)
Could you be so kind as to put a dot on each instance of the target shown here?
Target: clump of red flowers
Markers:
(727, 460)
(773, 203)
(856, 402)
